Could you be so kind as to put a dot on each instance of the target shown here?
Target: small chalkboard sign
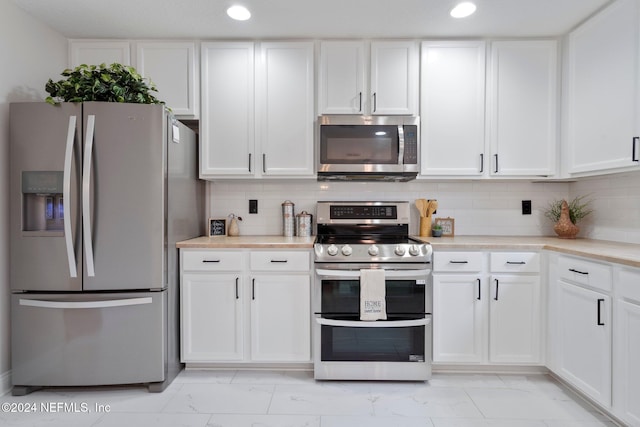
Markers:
(217, 227)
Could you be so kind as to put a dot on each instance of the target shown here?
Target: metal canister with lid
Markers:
(303, 224)
(288, 219)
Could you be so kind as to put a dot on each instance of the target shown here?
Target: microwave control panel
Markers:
(410, 145)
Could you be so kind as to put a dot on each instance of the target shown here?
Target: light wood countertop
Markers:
(622, 253)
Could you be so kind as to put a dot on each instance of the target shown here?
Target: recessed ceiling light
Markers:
(464, 9)
(239, 13)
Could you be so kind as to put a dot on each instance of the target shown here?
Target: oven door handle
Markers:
(356, 273)
(377, 324)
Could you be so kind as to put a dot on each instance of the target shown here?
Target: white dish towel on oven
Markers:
(373, 305)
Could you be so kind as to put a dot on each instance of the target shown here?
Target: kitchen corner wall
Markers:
(31, 53)
(615, 204)
(478, 207)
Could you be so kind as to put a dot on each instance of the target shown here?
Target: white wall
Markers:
(479, 207)
(616, 206)
(31, 53)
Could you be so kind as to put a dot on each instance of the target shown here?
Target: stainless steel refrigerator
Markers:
(100, 193)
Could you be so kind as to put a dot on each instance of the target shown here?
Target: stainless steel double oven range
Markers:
(357, 236)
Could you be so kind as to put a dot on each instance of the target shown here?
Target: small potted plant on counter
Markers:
(436, 230)
(566, 215)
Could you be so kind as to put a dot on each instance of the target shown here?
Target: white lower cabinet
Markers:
(626, 348)
(583, 319)
(484, 319)
(243, 306)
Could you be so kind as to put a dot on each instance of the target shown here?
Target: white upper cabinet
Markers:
(452, 108)
(285, 109)
(172, 67)
(392, 68)
(342, 78)
(227, 124)
(522, 107)
(96, 52)
(257, 110)
(603, 89)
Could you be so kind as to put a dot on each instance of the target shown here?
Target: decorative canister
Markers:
(288, 219)
(303, 224)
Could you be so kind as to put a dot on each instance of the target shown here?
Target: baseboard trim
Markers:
(5, 383)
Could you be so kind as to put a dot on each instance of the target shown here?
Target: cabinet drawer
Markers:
(457, 261)
(280, 261)
(208, 260)
(515, 262)
(585, 272)
(628, 284)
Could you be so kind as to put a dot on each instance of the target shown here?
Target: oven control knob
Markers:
(373, 250)
(414, 250)
(346, 250)
(332, 250)
(400, 250)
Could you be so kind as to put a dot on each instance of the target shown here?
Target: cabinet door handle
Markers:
(279, 260)
(360, 100)
(496, 157)
(600, 301)
(578, 271)
(481, 162)
(458, 262)
(237, 294)
(479, 290)
(253, 288)
(375, 102)
(497, 285)
(210, 260)
(634, 149)
(249, 162)
(264, 163)
(516, 262)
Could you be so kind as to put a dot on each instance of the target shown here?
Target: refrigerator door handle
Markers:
(86, 193)
(66, 196)
(85, 304)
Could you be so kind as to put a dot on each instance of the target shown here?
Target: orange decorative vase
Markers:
(564, 228)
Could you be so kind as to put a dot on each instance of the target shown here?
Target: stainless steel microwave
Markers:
(368, 148)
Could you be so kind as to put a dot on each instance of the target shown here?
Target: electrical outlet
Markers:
(253, 206)
(526, 207)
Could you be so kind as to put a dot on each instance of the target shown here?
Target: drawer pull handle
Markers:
(210, 260)
(458, 262)
(600, 301)
(516, 262)
(578, 271)
(279, 260)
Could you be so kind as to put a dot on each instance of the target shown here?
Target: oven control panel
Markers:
(403, 252)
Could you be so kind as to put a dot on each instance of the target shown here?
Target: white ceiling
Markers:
(206, 19)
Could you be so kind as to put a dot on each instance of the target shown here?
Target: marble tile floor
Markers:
(210, 398)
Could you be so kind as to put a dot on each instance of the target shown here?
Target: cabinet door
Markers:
(394, 78)
(522, 110)
(96, 52)
(452, 108)
(585, 340)
(280, 318)
(227, 124)
(515, 319)
(211, 314)
(627, 349)
(459, 312)
(285, 111)
(602, 90)
(342, 82)
(171, 66)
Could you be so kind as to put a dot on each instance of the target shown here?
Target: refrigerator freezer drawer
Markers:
(88, 339)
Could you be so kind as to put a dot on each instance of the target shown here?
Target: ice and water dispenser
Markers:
(42, 201)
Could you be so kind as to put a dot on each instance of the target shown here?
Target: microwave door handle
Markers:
(377, 324)
(400, 144)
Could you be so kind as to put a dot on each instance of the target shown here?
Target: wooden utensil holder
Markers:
(425, 226)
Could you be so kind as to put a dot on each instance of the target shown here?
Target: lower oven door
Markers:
(398, 348)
